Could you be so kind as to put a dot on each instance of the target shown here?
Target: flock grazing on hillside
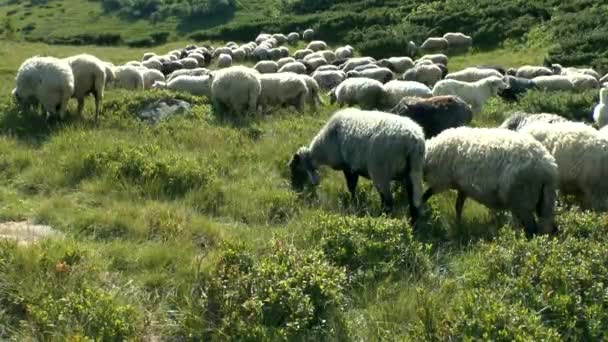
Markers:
(407, 118)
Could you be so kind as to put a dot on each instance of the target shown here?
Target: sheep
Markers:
(262, 37)
(426, 74)
(200, 59)
(295, 67)
(293, 38)
(458, 41)
(109, 70)
(328, 79)
(128, 77)
(285, 60)
(476, 94)
(472, 74)
(327, 67)
(152, 64)
(313, 64)
(366, 67)
(583, 81)
(435, 58)
(284, 52)
(411, 49)
(300, 54)
(496, 67)
(189, 72)
(379, 74)
(553, 83)
(280, 38)
(434, 44)
(282, 89)
(352, 63)
(498, 168)
(224, 61)
(236, 88)
(435, 114)
(380, 146)
(365, 92)
(195, 85)
(396, 90)
(519, 120)
(317, 45)
(604, 79)
(559, 70)
(239, 54)
(151, 76)
(89, 78)
(397, 64)
(170, 66)
(328, 55)
(581, 153)
(444, 70)
(261, 53)
(516, 87)
(600, 112)
(189, 63)
(222, 50)
(530, 71)
(266, 67)
(134, 63)
(313, 96)
(345, 52)
(275, 54)
(147, 56)
(308, 35)
(47, 81)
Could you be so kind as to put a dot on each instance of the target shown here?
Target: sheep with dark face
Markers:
(380, 146)
(435, 114)
(519, 120)
(516, 87)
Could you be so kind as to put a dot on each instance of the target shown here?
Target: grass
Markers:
(146, 255)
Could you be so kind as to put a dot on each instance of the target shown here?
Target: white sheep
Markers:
(345, 52)
(151, 76)
(239, 54)
(147, 56)
(282, 89)
(224, 61)
(458, 41)
(437, 58)
(352, 63)
(317, 45)
(262, 37)
(434, 44)
(266, 67)
(380, 146)
(261, 53)
(308, 35)
(365, 92)
(313, 97)
(195, 85)
(47, 81)
(293, 38)
(530, 71)
(89, 78)
(134, 63)
(583, 81)
(397, 90)
(600, 112)
(472, 74)
(397, 64)
(236, 88)
(285, 60)
(295, 67)
(189, 63)
(300, 54)
(519, 120)
(328, 79)
(189, 72)
(327, 67)
(128, 77)
(222, 50)
(581, 153)
(498, 168)
(476, 94)
(314, 63)
(280, 38)
(560, 70)
(152, 64)
(553, 83)
(379, 74)
(428, 74)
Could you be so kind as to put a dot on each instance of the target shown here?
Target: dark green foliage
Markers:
(573, 106)
(144, 9)
(103, 39)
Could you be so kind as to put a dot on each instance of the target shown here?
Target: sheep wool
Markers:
(519, 120)
(365, 92)
(600, 112)
(498, 168)
(282, 89)
(397, 90)
(476, 94)
(129, 77)
(236, 88)
(89, 78)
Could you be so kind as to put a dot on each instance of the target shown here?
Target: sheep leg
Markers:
(80, 106)
(385, 195)
(427, 195)
(97, 105)
(460, 199)
(409, 187)
(527, 220)
(351, 182)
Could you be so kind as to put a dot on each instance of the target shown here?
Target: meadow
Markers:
(188, 230)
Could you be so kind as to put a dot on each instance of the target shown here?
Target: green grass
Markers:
(186, 228)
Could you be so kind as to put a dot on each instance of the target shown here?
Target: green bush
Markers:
(288, 294)
(573, 106)
(371, 247)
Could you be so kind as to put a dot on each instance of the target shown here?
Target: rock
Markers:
(25, 232)
(161, 109)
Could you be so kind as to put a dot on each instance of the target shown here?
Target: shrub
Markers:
(371, 247)
(573, 106)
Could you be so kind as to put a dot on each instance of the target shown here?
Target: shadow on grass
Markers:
(31, 127)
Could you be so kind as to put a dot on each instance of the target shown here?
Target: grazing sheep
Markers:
(282, 89)
(239, 55)
(276, 54)
(345, 52)
(553, 83)
(147, 56)
(89, 78)
(300, 54)
(498, 168)
(266, 67)
(379, 74)
(366, 67)
(152, 64)
(426, 74)
(600, 112)
(604, 79)
(261, 53)
(352, 63)
(128, 77)
(519, 120)
(380, 146)
(581, 153)
(224, 61)
(188, 72)
(516, 87)
(313, 64)
(458, 41)
(222, 50)
(435, 114)
(472, 74)
(559, 70)
(109, 69)
(397, 90)
(285, 60)
(134, 63)
(235, 88)
(293, 38)
(317, 45)
(195, 85)
(313, 97)
(476, 94)
(434, 44)
(262, 37)
(435, 58)
(170, 66)
(397, 64)
(280, 38)
(151, 76)
(328, 79)
(189, 63)
(530, 71)
(365, 92)
(295, 67)
(47, 81)
(583, 81)
(308, 35)
(327, 67)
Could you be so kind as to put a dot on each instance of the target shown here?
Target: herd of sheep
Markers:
(410, 125)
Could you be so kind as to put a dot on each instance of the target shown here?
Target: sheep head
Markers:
(302, 170)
